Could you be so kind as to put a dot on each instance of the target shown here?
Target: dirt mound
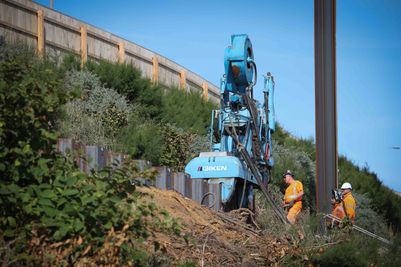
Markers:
(212, 238)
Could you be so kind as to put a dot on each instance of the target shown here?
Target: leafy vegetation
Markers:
(97, 116)
(127, 81)
(120, 109)
(43, 195)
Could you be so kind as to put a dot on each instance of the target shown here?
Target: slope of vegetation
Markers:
(49, 208)
(120, 109)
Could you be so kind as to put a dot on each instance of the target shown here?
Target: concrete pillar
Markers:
(41, 34)
(84, 45)
(155, 76)
(183, 80)
(121, 53)
(205, 87)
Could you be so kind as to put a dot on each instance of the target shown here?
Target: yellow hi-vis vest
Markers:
(292, 191)
(349, 205)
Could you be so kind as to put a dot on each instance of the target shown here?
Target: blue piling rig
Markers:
(240, 156)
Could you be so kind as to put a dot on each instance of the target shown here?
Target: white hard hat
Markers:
(346, 186)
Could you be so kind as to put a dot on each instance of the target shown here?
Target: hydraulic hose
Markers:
(209, 194)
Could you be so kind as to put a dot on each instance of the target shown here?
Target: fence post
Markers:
(41, 34)
(183, 80)
(205, 87)
(121, 53)
(84, 45)
(155, 76)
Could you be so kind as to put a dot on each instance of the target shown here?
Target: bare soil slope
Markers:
(213, 238)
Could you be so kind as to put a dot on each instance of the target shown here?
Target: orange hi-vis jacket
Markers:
(338, 211)
(350, 205)
(292, 191)
(291, 194)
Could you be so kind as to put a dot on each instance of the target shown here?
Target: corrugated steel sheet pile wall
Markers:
(96, 158)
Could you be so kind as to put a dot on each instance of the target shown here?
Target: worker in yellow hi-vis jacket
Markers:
(293, 196)
(349, 202)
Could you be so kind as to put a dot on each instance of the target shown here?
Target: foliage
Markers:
(142, 139)
(300, 164)
(164, 125)
(29, 98)
(358, 251)
(179, 147)
(265, 216)
(187, 111)
(98, 115)
(368, 217)
(42, 193)
(127, 81)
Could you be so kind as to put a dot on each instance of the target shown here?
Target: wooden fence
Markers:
(54, 33)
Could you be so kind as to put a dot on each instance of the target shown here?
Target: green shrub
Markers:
(359, 251)
(142, 139)
(368, 218)
(97, 116)
(187, 111)
(180, 147)
(345, 254)
(29, 96)
(37, 183)
(42, 193)
(127, 81)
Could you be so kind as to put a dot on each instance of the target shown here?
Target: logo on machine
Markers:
(212, 168)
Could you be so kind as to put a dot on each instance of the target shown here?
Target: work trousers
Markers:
(294, 211)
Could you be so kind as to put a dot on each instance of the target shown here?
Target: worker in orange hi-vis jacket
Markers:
(338, 210)
(293, 196)
(348, 202)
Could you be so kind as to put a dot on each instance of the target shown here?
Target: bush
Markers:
(43, 196)
(30, 96)
(180, 147)
(142, 139)
(127, 81)
(97, 116)
(187, 111)
(359, 251)
(368, 218)
(38, 184)
(167, 105)
(345, 254)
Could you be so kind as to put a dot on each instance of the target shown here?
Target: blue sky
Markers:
(195, 34)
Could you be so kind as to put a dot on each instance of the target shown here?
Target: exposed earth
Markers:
(215, 238)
